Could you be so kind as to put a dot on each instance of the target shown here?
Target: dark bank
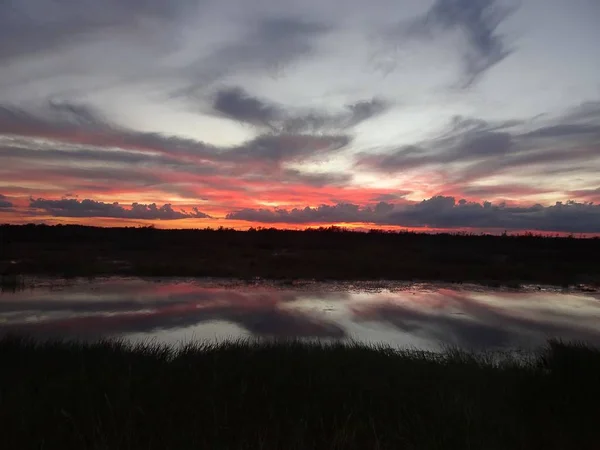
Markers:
(322, 254)
(293, 395)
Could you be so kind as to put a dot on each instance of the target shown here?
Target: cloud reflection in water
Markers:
(469, 318)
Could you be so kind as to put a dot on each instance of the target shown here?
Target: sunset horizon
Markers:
(441, 115)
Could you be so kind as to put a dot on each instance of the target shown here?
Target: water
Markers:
(408, 315)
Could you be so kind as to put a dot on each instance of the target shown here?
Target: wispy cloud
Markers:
(472, 149)
(268, 45)
(477, 20)
(37, 26)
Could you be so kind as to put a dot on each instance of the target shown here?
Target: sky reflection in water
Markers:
(182, 310)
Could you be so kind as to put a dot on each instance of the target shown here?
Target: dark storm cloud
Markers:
(237, 104)
(477, 20)
(442, 212)
(4, 203)
(478, 325)
(92, 208)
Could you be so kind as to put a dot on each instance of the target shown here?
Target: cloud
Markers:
(564, 130)
(472, 146)
(294, 176)
(352, 115)
(291, 147)
(442, 212)
(270, 43)
(236, 104)
(78, 124)
(470, 149)
(390, 197)
(586, 112)
(4, 203)
(588, 194)
(344, 212)
(92, 208)
(29, 26)
(476, 20)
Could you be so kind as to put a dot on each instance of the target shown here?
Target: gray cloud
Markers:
(92, 208)
(315, 179)
(50, 117)
(237, 104)
(343, 212)
(477, 20)
(269, 44)
(4, 203)
(30, 26)
(442, 212)
(391, 197)
(446, 212)
(351, 116)
(483, 148)
(586, 112)
(286, 147)
(564, 130)
(471, 146)
(77, 123)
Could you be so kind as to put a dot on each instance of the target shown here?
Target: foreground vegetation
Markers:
(325, 254)
(293, 396)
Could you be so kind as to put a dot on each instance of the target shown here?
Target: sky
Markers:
(480, 115)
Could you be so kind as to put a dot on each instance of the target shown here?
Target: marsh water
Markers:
(426, 316)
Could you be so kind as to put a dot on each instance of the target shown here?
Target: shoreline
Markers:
(293, 256)
(41, 281)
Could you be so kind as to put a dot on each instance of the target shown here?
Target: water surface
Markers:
(416, 315)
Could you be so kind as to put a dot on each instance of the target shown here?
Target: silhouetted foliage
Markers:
(294, 396)
(324, 253)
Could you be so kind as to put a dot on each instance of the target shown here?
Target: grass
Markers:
(12, 282)
(294, 396)
(328, 254)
